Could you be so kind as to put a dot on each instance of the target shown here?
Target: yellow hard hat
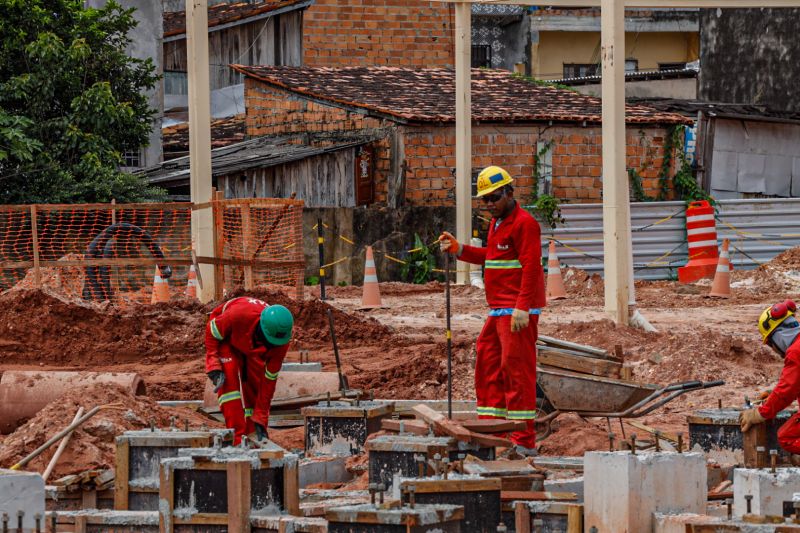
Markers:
(773, 316)
(492, 178)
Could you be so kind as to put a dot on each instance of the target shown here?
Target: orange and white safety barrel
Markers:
(701, 232)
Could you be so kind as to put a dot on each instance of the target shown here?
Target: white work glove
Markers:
(449, 244)
(519, 320)
(750, 418)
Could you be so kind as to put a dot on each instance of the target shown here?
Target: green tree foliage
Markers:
(71, 102)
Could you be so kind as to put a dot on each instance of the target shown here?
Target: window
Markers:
(132, 158)
(671, 66)
(631, 65)
(581, 70)
(481, 56)
(176, 82)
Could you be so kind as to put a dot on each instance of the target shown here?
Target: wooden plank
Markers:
(753, 439)
(80, 524)
(89, 499)
(575, 519)
(426, 486)
(166, 497)
(202, 519)
(538, 496)
(417, 427)
(559, 359)
(248, 270)
(291, 489)
(522, 518)
(497, 425)
(121, 467)
(238, 477)
(442, 424)
(489, 441)
(589, 350)
(523, 483)
(653, 431)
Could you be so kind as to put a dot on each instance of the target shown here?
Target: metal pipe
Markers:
(38, 521)
(20, 517)
(729, 504)
(53, 522)
(5, 522)
(602, 354)
(449, 337)
(412, 489)
(321, 249)
(342, 381)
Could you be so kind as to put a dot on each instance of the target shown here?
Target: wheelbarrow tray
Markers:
(576, 392)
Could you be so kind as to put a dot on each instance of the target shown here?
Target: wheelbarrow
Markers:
(587, 395)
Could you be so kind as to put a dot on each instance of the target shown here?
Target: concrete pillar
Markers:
(22, 492)
(770, 491)
(681, 523)
(623, 490)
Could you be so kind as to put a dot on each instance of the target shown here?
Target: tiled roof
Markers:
(428, 95)
(224, 132)
(175, 21)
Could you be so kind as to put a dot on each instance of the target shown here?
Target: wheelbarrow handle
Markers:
(709, 384)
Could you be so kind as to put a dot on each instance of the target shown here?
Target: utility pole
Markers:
(617, 257)
(463, 131)
(200, 139)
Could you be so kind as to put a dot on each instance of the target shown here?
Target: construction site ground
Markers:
(398, 352)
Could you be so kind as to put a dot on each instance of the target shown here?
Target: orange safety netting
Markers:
(102, 252)
(261, 240)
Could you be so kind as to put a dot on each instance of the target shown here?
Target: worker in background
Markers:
(781, 332)
(505, 371)
(246, 341)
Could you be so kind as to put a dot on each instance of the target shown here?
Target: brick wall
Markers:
(429, 152)
(401, 33)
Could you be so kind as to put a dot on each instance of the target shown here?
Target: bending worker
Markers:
(505, 371)
(781, 332)
(246, 341)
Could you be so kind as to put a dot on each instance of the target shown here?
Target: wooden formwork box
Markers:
(395, 518)
(287, 524)
(67, 499)
(557, 516)
(231, 484)
(138, 456)
(342, 428)
(479, 497)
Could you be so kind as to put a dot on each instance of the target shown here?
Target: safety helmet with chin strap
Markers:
(773, 316)
(276, 324)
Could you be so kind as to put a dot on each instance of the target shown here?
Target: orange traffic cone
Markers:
(371, 296)
(721, 288)
(160, 288)
(191, 283)
(555, 284)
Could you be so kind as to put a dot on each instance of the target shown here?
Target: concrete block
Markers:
(22, 492)
(623, 490)
(572, 484)
(770, 492)
(301, 367)
(323, 470)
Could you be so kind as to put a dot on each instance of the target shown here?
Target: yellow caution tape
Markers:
(336, 262)
(396, 260)
(345, 239)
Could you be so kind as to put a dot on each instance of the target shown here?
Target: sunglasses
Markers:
(492, 198)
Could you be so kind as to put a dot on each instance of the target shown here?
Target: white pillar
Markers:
(463, 131)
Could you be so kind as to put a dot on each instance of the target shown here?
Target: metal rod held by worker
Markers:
(449, 336)
(55, 438)
(320, 241)
(342, 381)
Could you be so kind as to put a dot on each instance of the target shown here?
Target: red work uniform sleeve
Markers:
(472, 254)
(527, 241)
(788, 388)
(266, 391)
(217, 330)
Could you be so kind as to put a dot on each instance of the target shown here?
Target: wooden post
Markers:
(248, 270)
(200, 139)
(522, 518)
(291, 489)
(121, 474)
(238, 474)
(575, 519)
(81, 522)
(218, 242)
(753, 439)
(113, 211)
(37, 274)
(616, 209)
(463, 12)
(166, 497)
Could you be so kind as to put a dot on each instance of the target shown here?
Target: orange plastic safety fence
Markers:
(96, 251)
(262, 241)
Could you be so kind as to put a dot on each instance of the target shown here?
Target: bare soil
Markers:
(399, 352)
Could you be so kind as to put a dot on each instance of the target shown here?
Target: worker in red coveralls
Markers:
(505, 371)
(781, 332)
(246, 341)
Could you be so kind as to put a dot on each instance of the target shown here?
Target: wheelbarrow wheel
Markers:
(543, 407)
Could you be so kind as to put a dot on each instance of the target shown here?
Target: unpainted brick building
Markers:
(547, 138)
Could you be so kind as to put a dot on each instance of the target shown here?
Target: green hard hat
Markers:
(276, 324)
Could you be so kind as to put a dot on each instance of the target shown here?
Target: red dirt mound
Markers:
(92, 445)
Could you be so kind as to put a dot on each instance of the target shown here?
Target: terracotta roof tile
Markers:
(175, 21)
(224, 132)
(428, 95)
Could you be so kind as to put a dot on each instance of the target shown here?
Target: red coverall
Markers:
(505, 371)
(786, 391)
(251, 371)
